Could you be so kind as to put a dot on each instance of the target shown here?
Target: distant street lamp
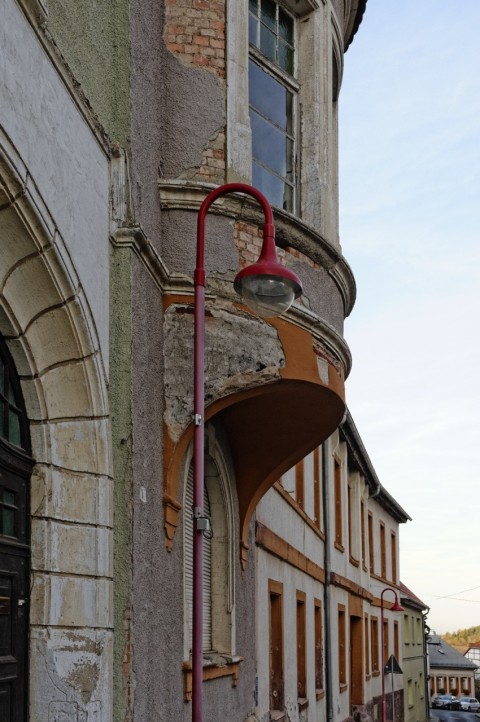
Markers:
(269, 289)
(397, 607)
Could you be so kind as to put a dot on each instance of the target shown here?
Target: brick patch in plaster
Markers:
(241, 352)
(212, 168)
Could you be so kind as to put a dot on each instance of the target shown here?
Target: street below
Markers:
(454, 715)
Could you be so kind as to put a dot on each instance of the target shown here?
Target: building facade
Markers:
(415, 669)
(327, 538)
(116, 120)
(450, 671)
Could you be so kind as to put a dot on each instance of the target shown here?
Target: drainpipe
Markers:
(426, 673)
(327, 480)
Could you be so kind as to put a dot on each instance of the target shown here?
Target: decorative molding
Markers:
(339, 581)
(272, 543)
(212, 670)
(171, 508)
(290, 230)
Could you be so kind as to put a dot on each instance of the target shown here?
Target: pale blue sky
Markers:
(409, 220)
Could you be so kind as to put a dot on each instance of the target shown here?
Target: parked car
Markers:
(470, 704)
(446, 701)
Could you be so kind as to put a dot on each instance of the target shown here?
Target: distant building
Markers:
(450, 671)
(415, 672)
(473, 654)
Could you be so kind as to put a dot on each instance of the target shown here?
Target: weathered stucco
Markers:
(93, 38)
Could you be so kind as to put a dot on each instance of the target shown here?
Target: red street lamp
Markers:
(269, 289)
(396, 607)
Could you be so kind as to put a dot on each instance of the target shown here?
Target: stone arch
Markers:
(51, 334)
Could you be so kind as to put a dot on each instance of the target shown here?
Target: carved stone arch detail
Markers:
(50, 331)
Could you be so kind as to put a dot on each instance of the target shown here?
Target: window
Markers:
(419, 631)
(301, 647)
(337, 471)
(362, 526)
(393, 542)
(342, 646)
(275, 590)
(272, 97)
(374, 640)
(218, 557)
(367, 647)
(317, 487)
(395, 641)
(406, 629)
(371, 548)
(207, 568)
(300, 483)
(11, 404)
(383, 551)
(318, 646)
(350, 521)
(386, 642)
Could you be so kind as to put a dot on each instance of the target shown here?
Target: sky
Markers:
(409, 222)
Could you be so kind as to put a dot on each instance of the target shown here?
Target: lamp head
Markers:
(267, 287)
(397, 607)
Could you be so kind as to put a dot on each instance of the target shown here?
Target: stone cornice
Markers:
(290, 230)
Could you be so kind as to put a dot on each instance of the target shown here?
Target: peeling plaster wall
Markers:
(240, 351)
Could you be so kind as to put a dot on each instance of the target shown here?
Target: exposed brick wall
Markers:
(248, 239)
(212, 168)
(195, 31)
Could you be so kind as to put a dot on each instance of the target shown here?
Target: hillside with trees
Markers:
(462, 638)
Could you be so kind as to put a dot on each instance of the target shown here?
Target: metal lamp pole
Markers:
(269, 289)
(396, 607)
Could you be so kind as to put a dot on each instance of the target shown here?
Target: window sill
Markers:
(376, 673)
(302, 703)
(339, 546)
(343, 688)
(319, 694)
(214, 667)
(354, 561)
(277, 715)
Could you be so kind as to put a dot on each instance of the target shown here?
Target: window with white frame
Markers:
(272, 101)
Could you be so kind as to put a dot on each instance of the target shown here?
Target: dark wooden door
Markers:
(14, 579)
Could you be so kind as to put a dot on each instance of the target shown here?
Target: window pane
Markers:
(269, 144)
(8, 497)
(14, 428)
(253, 6)
(3, 431)
(268, 13)
(271, 186)
(285, 57)
(2, 376)
(5, 617)
(8, 522)
(269, 97)
(252, 30)
(267, 42)
(285, 26)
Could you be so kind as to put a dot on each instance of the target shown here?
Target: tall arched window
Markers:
(15, 470)
(218, 586)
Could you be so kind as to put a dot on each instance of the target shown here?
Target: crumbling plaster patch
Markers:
(241, 351)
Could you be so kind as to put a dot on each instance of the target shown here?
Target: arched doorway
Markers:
(15, 469)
